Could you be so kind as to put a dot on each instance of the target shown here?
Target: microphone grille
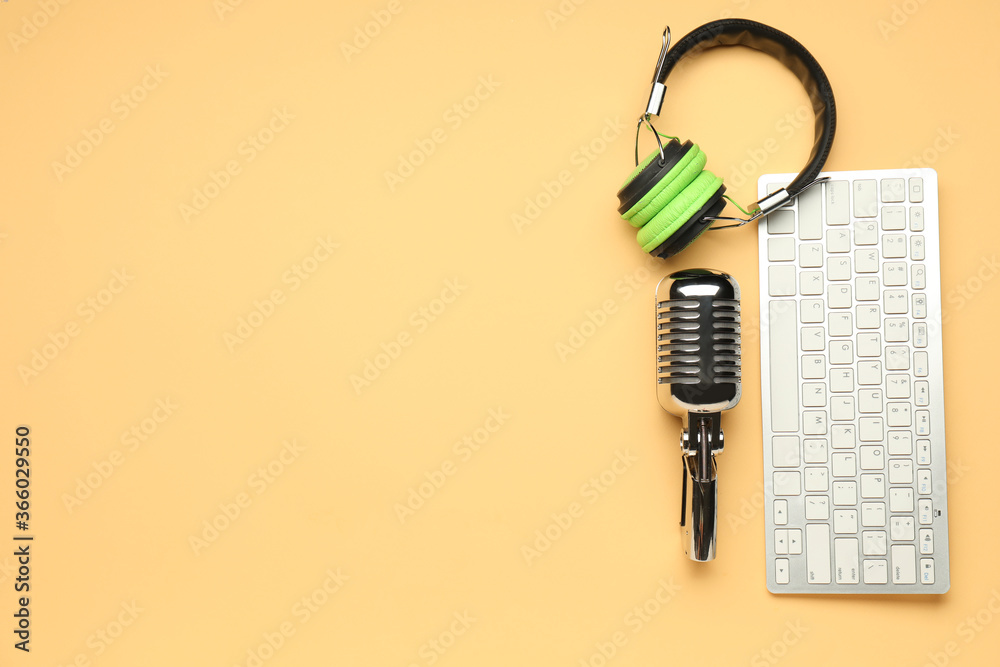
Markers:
(698, 341)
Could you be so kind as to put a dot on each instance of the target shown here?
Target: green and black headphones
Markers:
(670, 197)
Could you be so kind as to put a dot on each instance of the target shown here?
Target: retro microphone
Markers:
(697, 377)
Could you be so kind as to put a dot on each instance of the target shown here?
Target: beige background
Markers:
(316, 556)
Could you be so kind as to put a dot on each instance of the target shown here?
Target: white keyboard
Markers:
(852, 395)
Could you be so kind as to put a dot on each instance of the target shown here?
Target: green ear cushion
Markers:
(668, 187)
(678, 211)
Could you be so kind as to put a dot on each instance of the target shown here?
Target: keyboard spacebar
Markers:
(784, 391)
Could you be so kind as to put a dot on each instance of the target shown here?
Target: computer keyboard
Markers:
(855, 477)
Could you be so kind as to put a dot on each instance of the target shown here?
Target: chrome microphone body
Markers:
(697, 378)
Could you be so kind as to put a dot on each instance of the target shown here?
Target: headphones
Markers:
(670, 197)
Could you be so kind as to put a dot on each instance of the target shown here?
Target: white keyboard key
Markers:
(812, 311)
(844, 464)
(897, 358)
(920, 361)
(893, 190)
(785, 451)
(872, 457)
(916, 189)
(783, 374)
(874, 542)
(843, 436)
(916, 218)
(813, 367)
(814, 422)
(919, 306)
(917, 248)
(781, 569)
(837, 202)
(868, 316)
(897, 329)
(845, 522)
(870, 401)
(811, 282)
(814, 450)
(781, 222)
(781, 249)
(873, 485)
(896, 301)
(842, 408)
(817, 508)
(780, 514)
(901, 499)
(876, 572)
(865, 199)
(893, 246)
(897, 385)
(923, 453)
(904, 567)
(893, 218)
(845, 559)
(865, 232)
(867, 288)
(810, 255)
(869, 372)
(838, 240)
(918, 276)
(841, 324)
(813, 395)
(869, 345)
(926, 539)
(898, 415)
(870, 429)
(841, 351)
(781, 280)
(927, 570)
(873, 515)
(781, 541)
(900, 471)
(899, 443)
(925, 511)
(923, 421)
(901, 529)
(812, 339)
(787, 483)
(817, 553)
(794, 541)
(921, 393)
(817, 479)
(924, 485)
(893, 273)
(810, 204)
(845, 493)
(838, 295)
(838, 268)
(866, 260)
(842, 380)
(919, 334)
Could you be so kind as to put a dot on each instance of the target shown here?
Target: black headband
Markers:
(794, 56)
